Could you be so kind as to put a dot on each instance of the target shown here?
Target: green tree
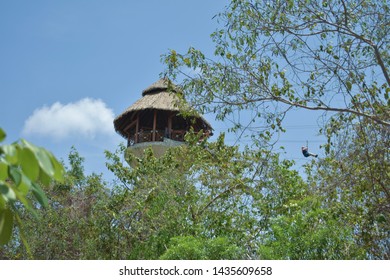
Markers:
(75, 224)
(355, 181)
(272, 56)
(192, 248)
(202, 193)
(328, 56)
(24, 168)
(76, 171)
(203, 200)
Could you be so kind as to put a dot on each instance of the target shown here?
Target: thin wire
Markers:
(286, 127)
(279, 141)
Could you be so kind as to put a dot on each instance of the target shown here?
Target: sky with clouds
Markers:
(85, 118)
(69, 67)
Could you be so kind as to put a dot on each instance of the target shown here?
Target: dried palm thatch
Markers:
(161, 95)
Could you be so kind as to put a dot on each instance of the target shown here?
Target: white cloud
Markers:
(86, 118)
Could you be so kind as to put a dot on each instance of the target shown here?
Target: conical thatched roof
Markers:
(161, 95)
(156, 96)
(161, 85)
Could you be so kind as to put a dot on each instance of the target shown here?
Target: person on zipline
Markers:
(305, 152)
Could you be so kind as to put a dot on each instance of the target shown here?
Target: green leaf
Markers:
(15, 175)
(44, 178)
(58, 169)
(7, 192)
(3, 170)
(2, 203)
(349, 85)
(2, 135)
(25, 185)
(11, 154)
(39, 194)
(45, 162)
(29, 164)
(42, 156)
(6, 224)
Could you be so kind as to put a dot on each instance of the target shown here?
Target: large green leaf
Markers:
(7, 192)
(25, 185)
(49, 167)
(2, 203)
(42, 156)
(2, 135)
(45, 162)
(11, 153)
(58, 169)
(15, 175)
(39, 194)
(29, 164)
(3, 170)
(44, 178)
(6, 223)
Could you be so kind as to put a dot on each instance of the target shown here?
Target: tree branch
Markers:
(216, 198)
(332, 109)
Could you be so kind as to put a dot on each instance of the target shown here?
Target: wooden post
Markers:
(136, 129)
(170, 125)
(154, 126)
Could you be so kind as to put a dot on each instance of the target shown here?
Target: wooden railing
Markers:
(159, 135)
(146, 136)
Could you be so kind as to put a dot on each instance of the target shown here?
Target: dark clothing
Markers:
(306, 153)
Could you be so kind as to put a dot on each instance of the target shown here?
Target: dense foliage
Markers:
(205, 201)
(208, 200)
(24, 168)
(272, 57)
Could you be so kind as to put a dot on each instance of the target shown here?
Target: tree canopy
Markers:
(206, 200)
(210, 200)
(271, 56)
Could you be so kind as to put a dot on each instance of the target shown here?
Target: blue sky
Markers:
(67, 68)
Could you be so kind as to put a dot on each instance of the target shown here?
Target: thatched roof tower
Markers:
(154, 120)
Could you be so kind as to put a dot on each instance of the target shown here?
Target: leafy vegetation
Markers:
(24, 168)
(329, 56)
(203, 201)
(272, 56)
(208, 200)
